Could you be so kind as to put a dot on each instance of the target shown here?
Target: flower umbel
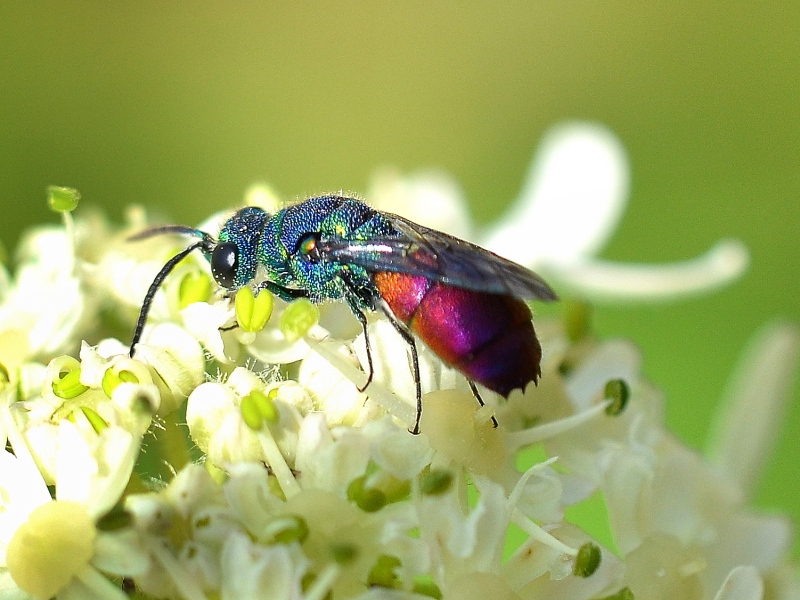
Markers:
(252, 462)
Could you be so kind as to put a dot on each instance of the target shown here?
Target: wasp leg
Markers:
(284, 293)
(477, 395)
(354, 301)
(362, 318)
(409, 339)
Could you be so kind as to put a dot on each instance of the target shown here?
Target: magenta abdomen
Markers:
(488, 337)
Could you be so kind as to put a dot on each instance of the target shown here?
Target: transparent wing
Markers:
(439, 257)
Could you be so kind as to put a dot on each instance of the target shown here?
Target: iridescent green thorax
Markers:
(334, 218)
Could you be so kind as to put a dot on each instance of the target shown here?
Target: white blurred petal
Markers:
(430, 198)
(749, 538)
(22, 489)
(603, 280)
(755, 405)
(118, 552)
(615, 359)
(251, 571)
(743, 583)
(89, 584)
(573, 197)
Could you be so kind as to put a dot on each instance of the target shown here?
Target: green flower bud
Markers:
(62, 199)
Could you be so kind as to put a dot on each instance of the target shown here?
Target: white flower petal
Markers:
(755, 405)
(327, 464)
(252, 571)
(377, 391)
(22, 489)
(615, 359)
(89, 584)
(742, 583)
(95, 471)
(762, 541)
(119, 553)
(204, 320)
(272, 347)
(573, 197)
(430, 198)
(602, 280)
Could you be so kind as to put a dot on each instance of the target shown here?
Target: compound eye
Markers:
(308, 247)
(225, 263)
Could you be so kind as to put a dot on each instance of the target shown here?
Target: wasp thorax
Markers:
(224, 263)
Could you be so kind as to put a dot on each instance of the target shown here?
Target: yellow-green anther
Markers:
(194, 287)
(5, 377)
(577, 319)
(250, 413)
(623, 594)
(435, 482)
(69, 385)
(252, 312)
(115, 519)
(618, 392)
(298, 318)
(289, 529)
(367, 499)
(587, 561)
(264, 404)
(62, 199)
(344, 552)
(111, 379)
(382, 574)
(95, 420)
(427, 587)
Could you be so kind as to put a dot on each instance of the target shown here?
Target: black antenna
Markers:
(206, 243)
(148, 298)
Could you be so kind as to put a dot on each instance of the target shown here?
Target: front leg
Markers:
(284, 293)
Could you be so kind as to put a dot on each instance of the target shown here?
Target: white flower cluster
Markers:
(294, 484)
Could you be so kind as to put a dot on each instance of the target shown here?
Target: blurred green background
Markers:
(181, 106)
